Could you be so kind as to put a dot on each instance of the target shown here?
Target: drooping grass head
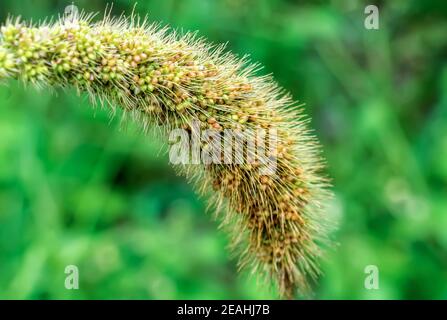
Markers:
(270, 196)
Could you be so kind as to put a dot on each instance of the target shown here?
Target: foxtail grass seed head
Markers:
(276, 218)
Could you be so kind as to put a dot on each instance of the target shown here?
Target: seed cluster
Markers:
(170, 81)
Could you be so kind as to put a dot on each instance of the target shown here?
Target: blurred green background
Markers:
(79, 188)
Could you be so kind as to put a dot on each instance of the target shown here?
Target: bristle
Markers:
(168, 81)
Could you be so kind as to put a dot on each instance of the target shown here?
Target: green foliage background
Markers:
(79, 188)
